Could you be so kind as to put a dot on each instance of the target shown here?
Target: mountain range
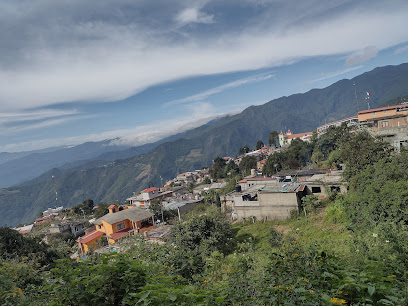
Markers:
(105, 180)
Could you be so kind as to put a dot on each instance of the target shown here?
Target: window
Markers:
(335, 189)
(384, 124)
(120, 226)
(316, 190)
(385, 112)
(373, 113)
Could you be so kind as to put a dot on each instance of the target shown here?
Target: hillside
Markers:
(119, 179)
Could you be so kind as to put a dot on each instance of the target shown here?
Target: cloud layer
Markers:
(81, 52)
(59, 52)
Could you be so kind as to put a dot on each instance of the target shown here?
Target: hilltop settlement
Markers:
(312, 218)
(255, 185)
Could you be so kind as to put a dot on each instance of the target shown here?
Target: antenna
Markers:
(55, 190)
(368, 99)
(355, 93)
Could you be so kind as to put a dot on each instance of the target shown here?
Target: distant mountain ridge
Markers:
(119, 179)
(31, 165)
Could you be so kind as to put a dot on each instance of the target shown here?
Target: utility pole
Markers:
(55, 190)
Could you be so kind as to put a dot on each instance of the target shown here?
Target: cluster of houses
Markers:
(263, 198)
(389, 123)
(57, 224)
(278, 197)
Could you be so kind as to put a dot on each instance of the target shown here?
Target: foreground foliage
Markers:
(349, 249)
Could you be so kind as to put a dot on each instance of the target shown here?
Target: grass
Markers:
(316, 229)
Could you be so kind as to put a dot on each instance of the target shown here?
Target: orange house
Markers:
(385, 117)
(117, 224)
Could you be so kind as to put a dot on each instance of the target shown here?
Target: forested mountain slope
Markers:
(118, 180)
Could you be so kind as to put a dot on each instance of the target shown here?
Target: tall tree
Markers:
(259, 144)
(272, 138)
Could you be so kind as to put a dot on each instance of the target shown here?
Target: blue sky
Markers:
(76, 71)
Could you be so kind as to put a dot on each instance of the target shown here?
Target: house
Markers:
(116, 225)
(389, 123)
(148, 195)
(268, 202)
(75, 228)
(255, 181)
(25, 229)
(42, 220)
(322, 185)
(298, 175)
(286, 138)
(52, 211)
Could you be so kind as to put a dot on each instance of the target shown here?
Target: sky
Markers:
(73, 71)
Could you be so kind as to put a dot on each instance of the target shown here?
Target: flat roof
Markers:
(383, 108)
(295, 172)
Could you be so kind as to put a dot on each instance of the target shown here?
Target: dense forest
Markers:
(347, 249)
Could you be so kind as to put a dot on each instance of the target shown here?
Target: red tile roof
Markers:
(91, 236)
(43, 218)
(299, 135)
(112, 206)
(120, 234)
(150, 189)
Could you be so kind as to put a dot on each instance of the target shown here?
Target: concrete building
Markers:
(389, 123)
(268, 202)
(298, 175)
(148, 195)
(52, 211)
(75, 228)
(322, 185)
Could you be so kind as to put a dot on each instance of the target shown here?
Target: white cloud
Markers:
(205, 94)
(194, 15)
(99, 61)
(130, 137)
(361, 56)
(23, 116)
(326, 76)
(401, 50)
(29, 126)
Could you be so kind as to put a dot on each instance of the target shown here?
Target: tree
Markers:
(156, 208)
(317, 157)
(272, 138)
(217, 169)
(196, 238)
(85, 208)
(259, 144)
(243, 150)
(101, 210)
(247, 163)
(110, 280)
(361, 151)
(206, 180)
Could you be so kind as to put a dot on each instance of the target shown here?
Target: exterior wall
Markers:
(381, 114)
(270, 206)
(85, 247)
(324, 189)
